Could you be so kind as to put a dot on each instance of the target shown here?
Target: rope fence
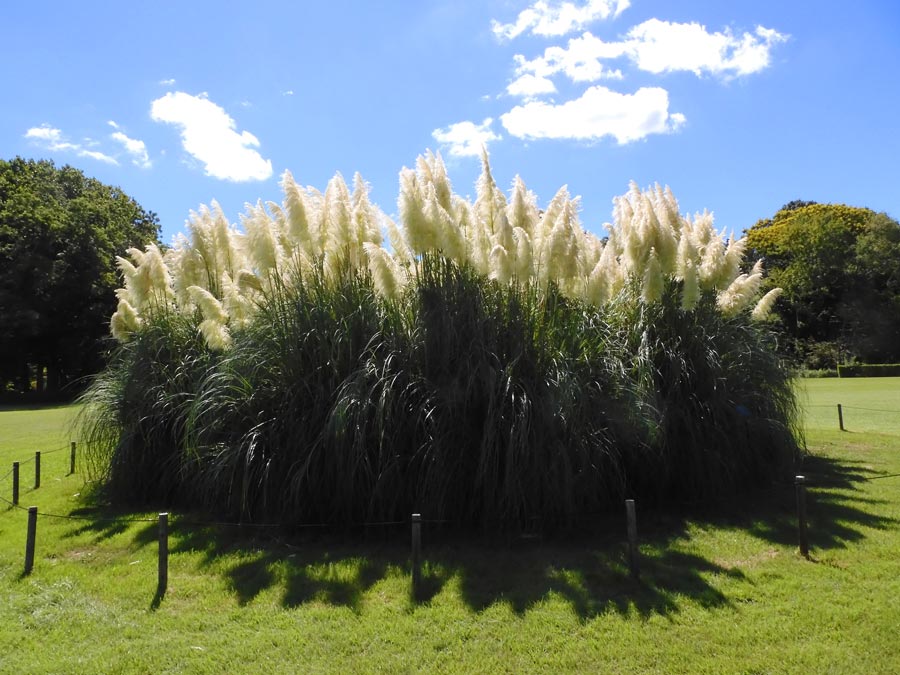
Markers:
(415, 522)
(841, 408)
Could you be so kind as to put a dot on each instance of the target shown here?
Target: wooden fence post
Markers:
(15, 477)
(72, 459)
(801, 515)
(631, 517)
(841, 417)
(37, 469)
(416, 554)
(163, 575)
(29, 540)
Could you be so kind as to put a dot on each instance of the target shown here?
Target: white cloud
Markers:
(134, 147)
(54, 140)
(530, 85)
(465, 139)
(99, 156)
(656, 47)
(167, 83)
(660, 46)
(597, 113)
(45, 133)
(209, 134)
(580, 61)
(287, 92)
(549, 18)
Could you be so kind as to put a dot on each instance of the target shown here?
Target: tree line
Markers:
(60, 232)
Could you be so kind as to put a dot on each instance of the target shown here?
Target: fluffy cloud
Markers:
(550, 19)
(656, 47)
(54, 140)
(580, 60)
(597, 113)
(209, 134)
(530, 85)
(135, 148)
(660, 46)
(465, 139)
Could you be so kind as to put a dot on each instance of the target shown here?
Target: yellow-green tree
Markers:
(839, 267)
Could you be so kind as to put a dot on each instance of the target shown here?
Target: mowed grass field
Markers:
(722, 589)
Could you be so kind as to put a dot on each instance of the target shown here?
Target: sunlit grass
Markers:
(723, 590)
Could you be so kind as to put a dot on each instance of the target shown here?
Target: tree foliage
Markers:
(59, 234)
(839, 267)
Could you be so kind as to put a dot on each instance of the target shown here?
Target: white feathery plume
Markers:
(490, 203)
(764, 306)
(159, 281)
(597, 285)
(448, 237)
(187, 269)
(216, 334)
(296, 211)
(316, 215)
(653, 285)
(690, 290)
(248, 282)
(224, 242)
(398, 243)
(411, 206)
(366, 216)
(387, 275)
(202, 238)
(741, 292)
(687, 254)
(239, 307)
(734, 256)
(524, 255)
(540, 237)
(712, 263)
(340, 235)
(262, 243)
(432, 170)
(124, 321)
(502, 265)
(209, 305)
(522, 211)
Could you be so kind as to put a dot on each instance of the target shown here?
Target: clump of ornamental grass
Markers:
(495, 365)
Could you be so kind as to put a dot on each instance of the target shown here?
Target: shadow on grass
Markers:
(587, 568)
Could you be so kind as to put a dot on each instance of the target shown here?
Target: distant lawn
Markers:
(723, 589)
(869, 403)
(26, 429)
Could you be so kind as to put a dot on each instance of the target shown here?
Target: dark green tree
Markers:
(839, 267)
(60, 232)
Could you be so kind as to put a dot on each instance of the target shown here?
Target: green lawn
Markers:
(722, 590)
(869, 404)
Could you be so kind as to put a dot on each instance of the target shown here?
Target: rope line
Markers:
(50, 452)
(853, 407)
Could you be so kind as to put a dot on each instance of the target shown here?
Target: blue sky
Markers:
(739, 106)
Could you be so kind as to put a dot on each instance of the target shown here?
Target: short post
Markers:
(37, 469)
(15, 477)
(632, 538)
(841, 417)
(29, 541)
(163, 575)
(416, 554)
(801, 515)
(72, 459)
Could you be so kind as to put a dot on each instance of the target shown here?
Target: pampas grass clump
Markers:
(494, 365)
